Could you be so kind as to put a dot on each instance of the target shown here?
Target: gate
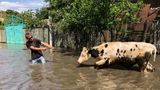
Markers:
(14, 28)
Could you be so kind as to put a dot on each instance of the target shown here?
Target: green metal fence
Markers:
(14, 28)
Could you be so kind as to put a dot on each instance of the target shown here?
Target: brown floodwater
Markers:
(61, 73)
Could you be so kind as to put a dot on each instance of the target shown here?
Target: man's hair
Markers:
(28, 34)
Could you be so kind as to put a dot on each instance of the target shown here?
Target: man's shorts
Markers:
(39, 60)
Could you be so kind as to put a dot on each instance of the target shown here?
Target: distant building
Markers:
(154, 3)
(147, 15)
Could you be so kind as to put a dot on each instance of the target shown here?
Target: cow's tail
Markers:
(155, 52)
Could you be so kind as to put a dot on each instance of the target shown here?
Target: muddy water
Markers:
(62, 73)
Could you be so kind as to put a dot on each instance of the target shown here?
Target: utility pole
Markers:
(50, 30)
(50, 26)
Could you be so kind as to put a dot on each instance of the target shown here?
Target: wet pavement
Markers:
(62, 73)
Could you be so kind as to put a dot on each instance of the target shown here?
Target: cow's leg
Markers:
(140, 63)
(130, 65)
(99, 64)
(96, 66)
(127, 62)
(149, 67)
(102, 63)
(143, 61)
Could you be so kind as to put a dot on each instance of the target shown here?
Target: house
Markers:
(147, 16)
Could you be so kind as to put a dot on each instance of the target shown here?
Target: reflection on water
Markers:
(2, 45)
(62, 73)
(36, 74)
(12, 45)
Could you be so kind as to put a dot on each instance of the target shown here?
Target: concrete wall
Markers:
(40, 33)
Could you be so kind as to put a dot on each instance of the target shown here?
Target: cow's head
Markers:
(84, 56)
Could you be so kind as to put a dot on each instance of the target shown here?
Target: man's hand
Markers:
(50, 47)
(43, 49)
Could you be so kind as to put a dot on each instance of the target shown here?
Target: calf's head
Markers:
(84, 56)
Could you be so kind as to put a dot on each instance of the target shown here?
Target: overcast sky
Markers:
(21, 5)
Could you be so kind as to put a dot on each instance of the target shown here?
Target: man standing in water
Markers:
(36, 51)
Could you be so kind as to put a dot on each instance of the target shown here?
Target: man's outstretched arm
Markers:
(38, 49)
(47, 45)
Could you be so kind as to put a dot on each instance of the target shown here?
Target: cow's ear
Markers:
(85, 49)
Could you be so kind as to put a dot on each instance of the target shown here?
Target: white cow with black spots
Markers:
(111, 52)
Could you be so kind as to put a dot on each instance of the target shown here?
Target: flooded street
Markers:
(61, 73)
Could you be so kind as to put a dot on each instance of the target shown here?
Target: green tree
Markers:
(122, 13)
(42, 13)
(91, 17)
(11, 12)
(28, 17)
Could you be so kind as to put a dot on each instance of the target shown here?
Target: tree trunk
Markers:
(104, 37)
(112, 35)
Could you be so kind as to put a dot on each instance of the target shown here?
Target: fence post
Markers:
(144, 31)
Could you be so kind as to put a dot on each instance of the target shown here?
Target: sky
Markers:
(21, 5)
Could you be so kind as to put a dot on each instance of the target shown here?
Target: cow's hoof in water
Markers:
(148, 70)
(151, 70)
(96, 67)
(80, 65)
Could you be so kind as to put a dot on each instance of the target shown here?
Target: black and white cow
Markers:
(111, 52)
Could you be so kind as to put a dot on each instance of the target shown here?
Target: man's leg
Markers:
(34, 61)
(42, 59)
